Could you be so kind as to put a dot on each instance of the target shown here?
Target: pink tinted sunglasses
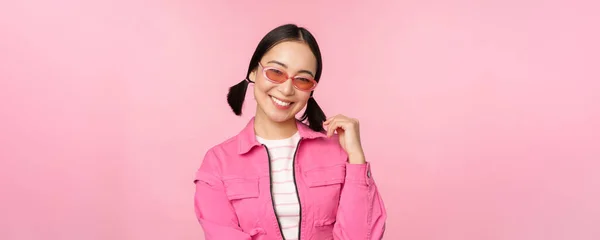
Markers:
(277, 75)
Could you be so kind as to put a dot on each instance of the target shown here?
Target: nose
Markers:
(286, 88)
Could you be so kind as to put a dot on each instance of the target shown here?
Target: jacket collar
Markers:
(247, 137)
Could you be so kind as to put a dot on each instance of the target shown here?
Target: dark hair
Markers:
(287, 32)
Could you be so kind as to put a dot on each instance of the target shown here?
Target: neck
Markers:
(268, 129)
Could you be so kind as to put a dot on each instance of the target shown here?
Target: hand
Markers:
(349, 135)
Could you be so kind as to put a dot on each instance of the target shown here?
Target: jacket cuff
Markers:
(359, 173)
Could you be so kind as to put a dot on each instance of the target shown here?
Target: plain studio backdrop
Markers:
(481, 118)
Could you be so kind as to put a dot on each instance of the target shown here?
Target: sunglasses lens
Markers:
(303, 83)
(276, 75)
(279, 76)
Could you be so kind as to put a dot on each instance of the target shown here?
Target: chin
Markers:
(279, 117)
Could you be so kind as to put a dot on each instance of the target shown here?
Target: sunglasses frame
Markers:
(265, 69)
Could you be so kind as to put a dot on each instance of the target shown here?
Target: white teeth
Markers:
(280, 103)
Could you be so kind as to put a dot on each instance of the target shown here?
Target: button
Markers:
(369, 173)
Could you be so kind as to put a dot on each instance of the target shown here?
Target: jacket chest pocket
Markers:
(243, 193)
(325, 186)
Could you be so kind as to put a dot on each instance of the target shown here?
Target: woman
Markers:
(280, 178)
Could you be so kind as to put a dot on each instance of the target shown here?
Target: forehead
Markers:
(295, 55)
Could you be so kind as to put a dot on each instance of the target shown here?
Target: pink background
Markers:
(481, 118)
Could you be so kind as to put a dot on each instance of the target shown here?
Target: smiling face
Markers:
(280, 102)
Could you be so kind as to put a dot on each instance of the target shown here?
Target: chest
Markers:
(317, 174)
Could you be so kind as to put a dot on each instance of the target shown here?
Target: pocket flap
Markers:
(325, 175)
(240, 188)
(324, 222)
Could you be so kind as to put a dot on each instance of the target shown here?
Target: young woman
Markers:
(280, 178)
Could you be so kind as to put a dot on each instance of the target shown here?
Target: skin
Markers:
(296, 58)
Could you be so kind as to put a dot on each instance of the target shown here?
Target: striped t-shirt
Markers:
(281, 153)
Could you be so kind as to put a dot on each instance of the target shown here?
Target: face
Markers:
(280, 102)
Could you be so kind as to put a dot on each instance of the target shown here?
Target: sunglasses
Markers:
(278, 76)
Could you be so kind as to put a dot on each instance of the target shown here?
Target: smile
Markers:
(280, 103)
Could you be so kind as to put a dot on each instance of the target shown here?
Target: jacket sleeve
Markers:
(212, 207)
(361, 212)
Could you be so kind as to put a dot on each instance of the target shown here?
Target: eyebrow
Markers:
(285, 66)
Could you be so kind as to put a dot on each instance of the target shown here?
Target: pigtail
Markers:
(236, 96)
(314, 114)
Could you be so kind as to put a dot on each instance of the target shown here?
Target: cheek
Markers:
(261, 89)
(302, 100)
(261, 94)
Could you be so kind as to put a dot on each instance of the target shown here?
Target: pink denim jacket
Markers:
(338, 200)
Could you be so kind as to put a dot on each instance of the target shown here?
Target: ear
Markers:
(252, 76)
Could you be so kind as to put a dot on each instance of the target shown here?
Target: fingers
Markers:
(338, 122)
(332, 126)
(329, 120)
(328, 125)
(339, 116)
